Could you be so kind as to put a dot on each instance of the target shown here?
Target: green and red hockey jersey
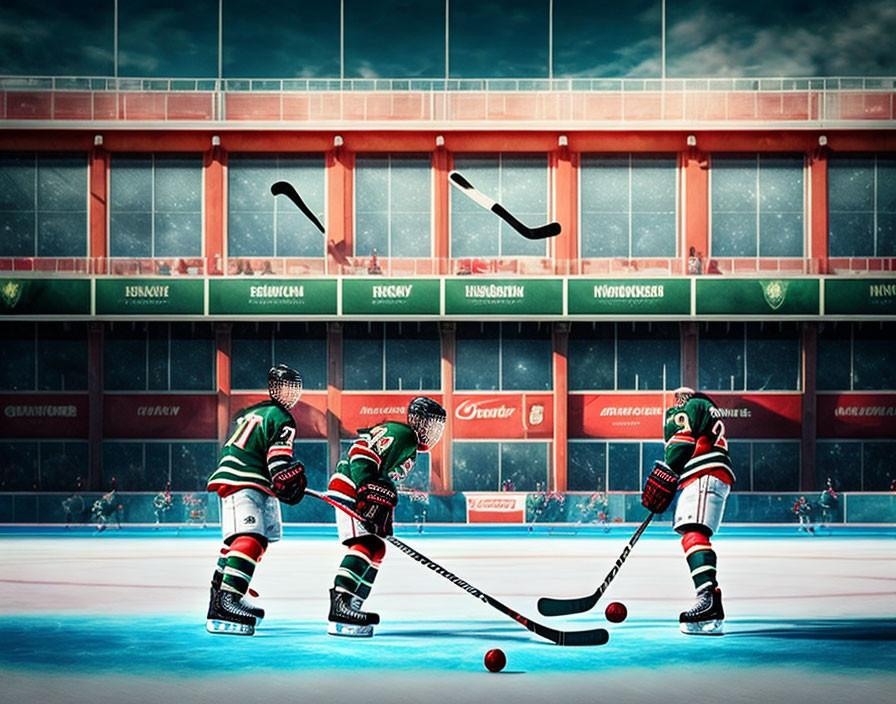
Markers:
(695, 439)
(260, 445)
(386, 451)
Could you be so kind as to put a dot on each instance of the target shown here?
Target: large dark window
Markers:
(44, 357)
(856, 356)
(599, 465)
(862, 206)
(391, 356)
(256, 347)
(855, 465)
(43, 205)
(757, 206)
(628, 206)
(155, 205)
(485, 466)
(749, 357)
(42, 465)
(148, 466)
(765, 465)
(503, 357)
(624, 356)
(159, 357)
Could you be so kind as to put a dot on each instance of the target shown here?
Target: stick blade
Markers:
(552, 229)
(596, 636)
(460, 181)
(548, 606)
(281, 188)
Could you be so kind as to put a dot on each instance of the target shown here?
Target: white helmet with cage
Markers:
(284, 385)
(427, 418)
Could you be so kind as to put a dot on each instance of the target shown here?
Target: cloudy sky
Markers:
(485, 39)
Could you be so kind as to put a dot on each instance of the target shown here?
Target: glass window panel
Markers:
(158, 356)
(851, 234)
(877, 466)
(873, 368)
(776, 466)
(378, 43)
(834, 366)
(734, 188)
(62, 464)
(526, 357)
(18, 234)
(413, 356)
(525, 464)
(720, 357)
(484, 40)
(17, 363)
(192, 357)
(123, 461)
(19, 468)
(178, 235)
(124, 357)
(304, 347)
(251, 355)
(886, 235)
(192, 463)
(62, 357)
(62, 205)
(644, 351)
(840, 460)
(850, 184)
(624, 466)
(192, 27)
(653, 235)
(591, 356)
(773, 357)
(18, 186)
(740, 454)
(62, 235)
(586, 466)
(362, 356)
(605, 235)
(475, 466)
(156, 467)
(314, 454)
(781, 184)
(734, 234)
(280, 39)
(781, 235)
(477, 357)
(250, 235)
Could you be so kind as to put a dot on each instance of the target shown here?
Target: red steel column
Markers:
(560, 344)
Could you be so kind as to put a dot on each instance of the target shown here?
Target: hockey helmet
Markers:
(427, 418)
(285, 385)
(683, 394)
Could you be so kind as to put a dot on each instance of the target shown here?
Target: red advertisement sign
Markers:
(310, 414)
(640, 416)
(163, 416)
(496, 508)
(504, 415)
(856, 415)
(365, 410)
(27, 416)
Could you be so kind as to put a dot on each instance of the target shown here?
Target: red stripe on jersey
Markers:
(274, 451)
(358, 452)
(681, 439)
(340, 485)
(719, 472)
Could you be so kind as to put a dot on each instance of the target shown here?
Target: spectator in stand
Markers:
(374, 267)
(248, 270)
(164, 268)
(266, 269)
(695, 265)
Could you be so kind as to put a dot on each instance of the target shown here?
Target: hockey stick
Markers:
(284, 188)
(548, 606)
(595, 636)
(530, 233)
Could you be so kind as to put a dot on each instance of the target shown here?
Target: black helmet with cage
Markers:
(285, 385)
(427, 418)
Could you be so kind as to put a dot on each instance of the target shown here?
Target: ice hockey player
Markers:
(698, 469)
(255, 472)
(366, 479)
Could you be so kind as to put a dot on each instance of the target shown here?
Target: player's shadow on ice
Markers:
(484, 633)
(854, 629)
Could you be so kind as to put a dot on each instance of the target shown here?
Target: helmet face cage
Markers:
(683, 394)
(285, 385)
(427, 418)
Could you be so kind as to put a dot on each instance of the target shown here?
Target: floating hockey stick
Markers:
(284, 188)
(595, 636)
(548, 606)
(530, 233)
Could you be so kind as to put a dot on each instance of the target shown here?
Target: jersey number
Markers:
(718, 429)
(244, 428)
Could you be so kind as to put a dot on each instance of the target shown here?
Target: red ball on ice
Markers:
(616, 612)
(495, 660)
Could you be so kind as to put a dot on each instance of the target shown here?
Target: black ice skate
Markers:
(706, 616)
(346, 617)
(226, 614)
(249, 606)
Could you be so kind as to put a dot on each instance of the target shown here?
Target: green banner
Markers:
(629, 297)
(758, 297)
(503, 296)
(162, 296)
(390, 296)
(272, 297)
(860, 296)
(44, 296)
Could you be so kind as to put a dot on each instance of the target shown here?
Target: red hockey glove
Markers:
(289, 484)
(660, 488)
(376, 502)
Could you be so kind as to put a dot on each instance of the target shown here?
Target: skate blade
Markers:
(228, 627)
(348, 630)
(703, 628)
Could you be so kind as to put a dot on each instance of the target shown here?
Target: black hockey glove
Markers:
(376, 502)
(660, 488)
(289, 484)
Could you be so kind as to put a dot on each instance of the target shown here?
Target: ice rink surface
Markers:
(119, 617)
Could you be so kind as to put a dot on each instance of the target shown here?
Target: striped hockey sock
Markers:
(701, 559)
(359, 569)
(239, 564)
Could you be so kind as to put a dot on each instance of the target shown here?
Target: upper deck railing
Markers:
(808, 102)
